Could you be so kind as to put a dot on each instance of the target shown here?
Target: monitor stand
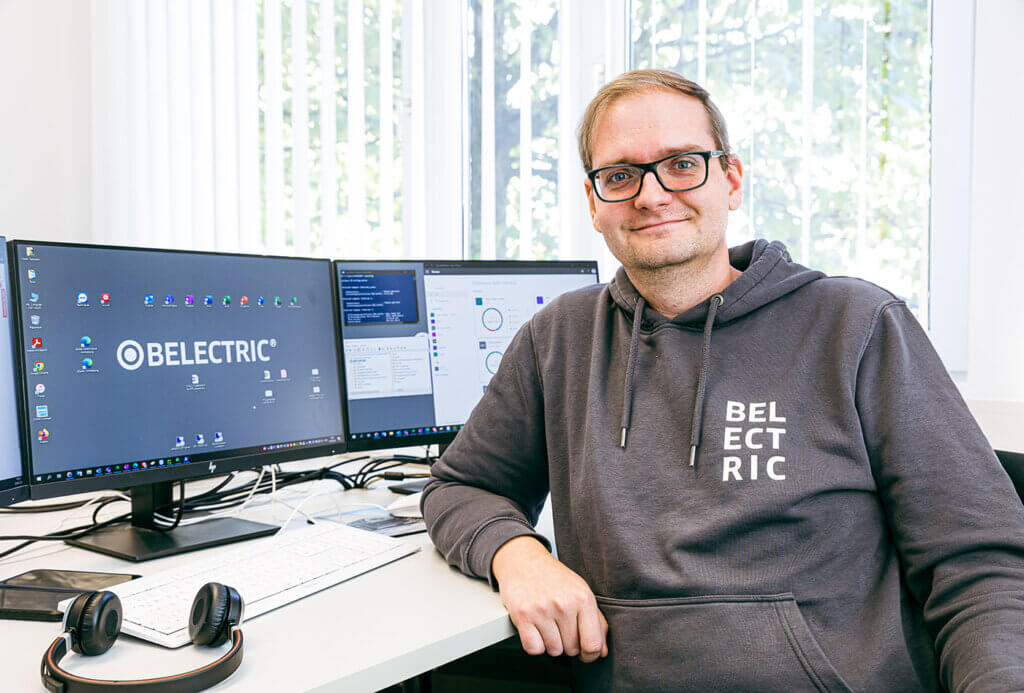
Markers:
(141, 541)
(407, 488)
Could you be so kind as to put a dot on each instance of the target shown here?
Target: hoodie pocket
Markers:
(713, 643)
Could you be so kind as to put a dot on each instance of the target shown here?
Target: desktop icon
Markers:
(34, 319)
(266, 375)
(195, 379)
(260, 301)
(86, 364)
(316, 371)
(179, 442)
(104, 299)
(37, 342)
(83, 298)
(208, 300)
(42, 411)
(38, 366)
(268, 393)
(200, 440)
(284, 372)
(169, 300)
(32, 274)
(189, 299)
(30, 251)
(218, 437)
(33, 297)
(244, 300)
(43, 434)
(40, 389)
(148, 299)
(226, 300)
(277, 299)
(316, 389)
(86, 341)
(295, 300)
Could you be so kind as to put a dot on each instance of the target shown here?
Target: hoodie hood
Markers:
(768, 273)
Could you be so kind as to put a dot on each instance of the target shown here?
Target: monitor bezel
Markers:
(20, 492)
(439, 438)
(191, 470)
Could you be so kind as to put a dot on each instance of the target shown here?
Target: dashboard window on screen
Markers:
(421, 340)
(137, 359)
(10, 444)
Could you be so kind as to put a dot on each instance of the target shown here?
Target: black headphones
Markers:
(93, 622)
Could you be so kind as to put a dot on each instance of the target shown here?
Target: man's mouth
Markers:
(658, 224)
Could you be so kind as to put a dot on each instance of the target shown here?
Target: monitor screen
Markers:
(421, 340)
(13, 486)
(141, 366)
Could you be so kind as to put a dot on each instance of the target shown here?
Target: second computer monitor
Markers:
(421, 340)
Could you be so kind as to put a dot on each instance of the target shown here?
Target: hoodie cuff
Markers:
(491, 537)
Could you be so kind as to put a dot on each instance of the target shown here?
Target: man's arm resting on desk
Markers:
(552, 607)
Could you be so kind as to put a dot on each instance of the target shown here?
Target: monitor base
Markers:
(407, 488)
(138, 544)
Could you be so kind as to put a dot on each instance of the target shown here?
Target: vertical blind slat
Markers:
(273, 125)
(328, 129)
(525, 136)
(356, 179)
(202, 125)
(488, 207)
(807, 112)
(180, 123)
(247, 104)
(300, 131)
(386, 110)
(225, 126)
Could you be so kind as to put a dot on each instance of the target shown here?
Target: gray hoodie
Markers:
(843, 524)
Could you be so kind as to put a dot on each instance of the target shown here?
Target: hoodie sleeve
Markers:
(951, 508)
(491, 483)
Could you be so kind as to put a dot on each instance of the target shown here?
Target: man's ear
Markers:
(734, 181)
(591, 203)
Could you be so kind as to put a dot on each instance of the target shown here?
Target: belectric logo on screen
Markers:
(131, 355)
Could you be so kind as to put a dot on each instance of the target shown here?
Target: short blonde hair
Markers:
(640, 81)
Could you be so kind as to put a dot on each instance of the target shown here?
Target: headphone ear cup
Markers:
(215, 609)
(95, 621)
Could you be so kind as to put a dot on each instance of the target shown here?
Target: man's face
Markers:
(659, 228)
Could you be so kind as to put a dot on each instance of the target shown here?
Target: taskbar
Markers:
(405, 432)
(165, 462)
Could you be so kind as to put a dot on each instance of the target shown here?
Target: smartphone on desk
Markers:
(33, 596)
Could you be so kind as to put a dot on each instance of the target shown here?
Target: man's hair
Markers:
(638, 82)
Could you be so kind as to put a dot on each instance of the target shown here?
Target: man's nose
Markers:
(652, 194)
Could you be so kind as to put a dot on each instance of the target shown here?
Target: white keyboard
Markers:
(268, 573)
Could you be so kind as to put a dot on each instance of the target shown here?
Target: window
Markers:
(828, 105)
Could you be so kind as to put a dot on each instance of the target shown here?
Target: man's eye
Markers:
(619, 176)
(683, 163)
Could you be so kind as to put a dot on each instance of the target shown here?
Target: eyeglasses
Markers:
(676, 173)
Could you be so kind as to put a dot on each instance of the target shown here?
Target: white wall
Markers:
(44, 120)
(995, 373)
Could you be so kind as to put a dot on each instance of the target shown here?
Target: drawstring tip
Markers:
(622, 442)
(693, 454)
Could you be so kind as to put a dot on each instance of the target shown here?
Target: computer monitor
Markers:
(421, 339)
(13, 485)
(142, 367)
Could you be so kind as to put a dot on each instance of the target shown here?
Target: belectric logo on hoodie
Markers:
(131, 355)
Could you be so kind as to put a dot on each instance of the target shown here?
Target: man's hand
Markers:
(551, 606)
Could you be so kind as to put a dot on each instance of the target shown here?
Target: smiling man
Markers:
(762, 478)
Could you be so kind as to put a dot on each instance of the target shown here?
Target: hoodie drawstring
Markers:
(702, 380)
(627, 395)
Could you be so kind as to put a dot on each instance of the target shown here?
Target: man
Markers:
(762, 478)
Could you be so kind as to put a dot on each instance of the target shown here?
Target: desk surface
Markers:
(370, 632)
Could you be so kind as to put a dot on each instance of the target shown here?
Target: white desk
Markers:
(370, 632)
